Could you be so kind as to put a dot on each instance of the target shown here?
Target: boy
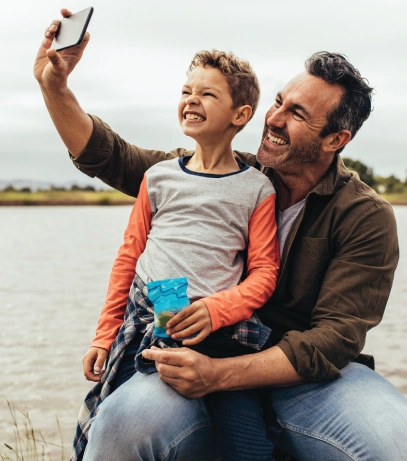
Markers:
(196, 217)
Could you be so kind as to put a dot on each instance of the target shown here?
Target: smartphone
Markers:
(72, 30)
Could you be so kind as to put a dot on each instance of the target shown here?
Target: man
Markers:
(339, 252)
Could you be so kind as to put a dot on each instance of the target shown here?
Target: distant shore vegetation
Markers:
(74, 195)
(390, 188)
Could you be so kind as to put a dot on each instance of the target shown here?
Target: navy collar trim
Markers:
(183, 161)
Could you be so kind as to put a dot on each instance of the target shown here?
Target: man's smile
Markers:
(275, 140)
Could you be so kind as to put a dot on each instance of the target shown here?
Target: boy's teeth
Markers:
(275, 140)
(194, 117)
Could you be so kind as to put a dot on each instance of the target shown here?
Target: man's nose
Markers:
(275, 117)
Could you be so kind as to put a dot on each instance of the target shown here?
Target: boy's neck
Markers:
(217, 159)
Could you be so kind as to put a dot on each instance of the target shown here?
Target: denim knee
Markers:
(145, 419)
(361, 415)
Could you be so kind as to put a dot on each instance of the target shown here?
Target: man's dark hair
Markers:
(356, 103)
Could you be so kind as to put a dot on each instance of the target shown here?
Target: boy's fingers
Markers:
(99, 364)
(185, 313)
(88, 364)
(93, 363)
(191, 330)
(179, 330)
(182, 325)
(198, 338)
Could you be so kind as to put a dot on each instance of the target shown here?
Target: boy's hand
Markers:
(193, 319)
(93, 362)
(51, 68)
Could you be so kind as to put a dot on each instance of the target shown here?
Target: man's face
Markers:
(293, 124)
(205, 109)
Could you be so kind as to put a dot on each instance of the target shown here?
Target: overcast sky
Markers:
(133, 69)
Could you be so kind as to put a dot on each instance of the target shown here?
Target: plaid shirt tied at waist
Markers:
(139, 318)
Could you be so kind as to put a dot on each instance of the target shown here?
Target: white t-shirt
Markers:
(285, 220)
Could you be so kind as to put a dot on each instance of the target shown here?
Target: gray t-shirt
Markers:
(285, 220)
(200, 225)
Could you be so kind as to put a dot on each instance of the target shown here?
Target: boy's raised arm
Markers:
(51, 69)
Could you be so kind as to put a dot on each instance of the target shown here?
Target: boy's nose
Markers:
(192, 100)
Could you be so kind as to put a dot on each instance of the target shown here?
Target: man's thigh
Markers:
(359, 416)
(145, 419)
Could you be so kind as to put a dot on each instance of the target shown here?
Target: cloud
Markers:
(135, 65)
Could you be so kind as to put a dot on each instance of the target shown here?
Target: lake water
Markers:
(54, 268)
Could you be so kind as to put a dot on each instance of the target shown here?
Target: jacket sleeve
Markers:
(124, 268)
(352, 297)
(263, 258)
(116, 162)
(122, 165)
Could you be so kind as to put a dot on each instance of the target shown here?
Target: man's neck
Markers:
(292, 188)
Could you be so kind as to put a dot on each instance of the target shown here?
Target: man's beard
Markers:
(298, 155)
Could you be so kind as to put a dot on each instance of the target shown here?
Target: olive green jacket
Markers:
(337, 265)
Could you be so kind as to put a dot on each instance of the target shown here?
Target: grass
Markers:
(29, 445)
(396, 199)
(57, 197)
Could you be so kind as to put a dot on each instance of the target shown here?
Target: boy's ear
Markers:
(242, 115)
(335, 141)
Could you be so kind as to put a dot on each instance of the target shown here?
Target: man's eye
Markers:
(298, 116)
(277, 103)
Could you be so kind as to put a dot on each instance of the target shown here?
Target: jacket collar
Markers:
(336, 177)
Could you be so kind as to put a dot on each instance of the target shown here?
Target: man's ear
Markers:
(242, 115)
(335, 141)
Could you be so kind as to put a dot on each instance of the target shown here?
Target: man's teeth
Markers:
(194, 117)
(275, 140)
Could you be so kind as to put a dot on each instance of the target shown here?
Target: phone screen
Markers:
(72, 30)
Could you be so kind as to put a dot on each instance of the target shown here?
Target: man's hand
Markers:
(194, 375)
(191, 320)
(191, 374)
(52, 68)
(93, 362)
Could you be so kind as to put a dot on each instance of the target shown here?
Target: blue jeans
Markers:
(359, 416)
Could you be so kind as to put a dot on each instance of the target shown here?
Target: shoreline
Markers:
(105, 200)
(83, 197)
(101, 202)
(65, 198)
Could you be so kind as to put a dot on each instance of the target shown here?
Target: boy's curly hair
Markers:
(242, 81)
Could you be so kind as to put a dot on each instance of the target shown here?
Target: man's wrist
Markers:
(54, 90)
(218, 378)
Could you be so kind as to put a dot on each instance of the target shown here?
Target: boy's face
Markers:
(205, 110)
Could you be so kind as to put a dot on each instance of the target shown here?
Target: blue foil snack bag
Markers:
(169, 297)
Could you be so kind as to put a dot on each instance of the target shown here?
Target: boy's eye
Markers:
(185, 92)
(209, 94)
(277, 103)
